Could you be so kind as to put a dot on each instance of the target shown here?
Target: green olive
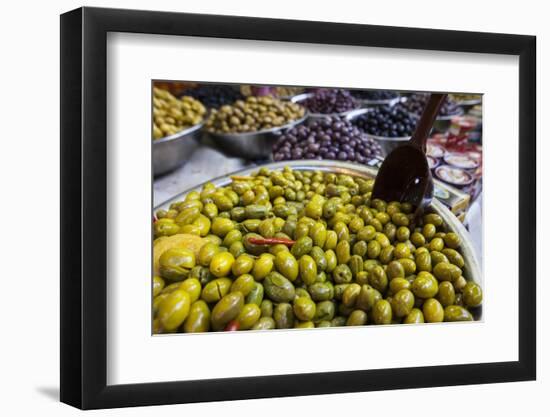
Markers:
(424, 261)
(264, 323)
(278, 288)
(215, 290)
(350, 295)
(434, 219)
(173, 310)
(457, 313)
(454, 257)
(318, 256)
(221, 226)
(332, 260)
(256, 295)
(304, 308)
(158, 285)
(198, 320)
(231, 237)
(324, 310)
(206, 253)
(342, 274)
(472, 294)
(452, 240)
(266, 307)
(397, 284)
(245, 283)
(418, 239)
(262, 266)
(367, 298)
(425, 285)
(402, 303)
(382, 312)
(302, 247)
(321, 291)
(414, 317)
(287, 265)
(395, 270)
(221, 264)
(408, 265)
(193, 287)
(357, 318)
(175, 263)
(378, 279)
(446, 294)
(283, 316)
(355, 264)
(243, 265)
(447, 272)
(433, 311)
(308, 269)
(227, 309)
(248, 316)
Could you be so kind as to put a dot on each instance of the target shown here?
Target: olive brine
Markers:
(303, 249)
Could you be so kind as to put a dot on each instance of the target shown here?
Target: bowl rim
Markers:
(180, 134)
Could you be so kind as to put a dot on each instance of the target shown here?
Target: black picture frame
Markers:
(84, 207)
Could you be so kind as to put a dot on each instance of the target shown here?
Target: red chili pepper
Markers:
(154, 219)
(271, 241)
(232, 326)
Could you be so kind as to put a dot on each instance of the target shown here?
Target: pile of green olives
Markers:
(303, 249)
(172, 115)
(253, 114)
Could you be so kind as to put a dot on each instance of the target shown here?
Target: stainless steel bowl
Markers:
(472, 270)
(251, 145)
(387, 144)
(173, 151)
(319, 116)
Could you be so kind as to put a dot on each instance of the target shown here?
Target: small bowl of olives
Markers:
(248, 128)
(389, 126)
(327, 103)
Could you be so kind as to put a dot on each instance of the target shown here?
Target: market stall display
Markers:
(332, 138)
(303, 248)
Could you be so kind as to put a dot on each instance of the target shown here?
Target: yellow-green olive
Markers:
(198, 319)
(248, 316)
(227, 309)
(193, 287)
(414, 317)
(457, 313)
(472, 294)
(433, 311)
(173, 310)
(221, 264)
(158, 285)
(216, 289)
(245, 283)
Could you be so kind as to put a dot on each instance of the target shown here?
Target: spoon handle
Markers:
(426, 121)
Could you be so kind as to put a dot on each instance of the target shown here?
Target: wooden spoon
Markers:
(405, 174)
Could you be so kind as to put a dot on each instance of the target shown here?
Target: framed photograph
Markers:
(260, 208)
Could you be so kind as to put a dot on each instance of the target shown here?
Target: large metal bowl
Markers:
(251, 145)
(320, 116)
(173, 151)
(472, 270)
